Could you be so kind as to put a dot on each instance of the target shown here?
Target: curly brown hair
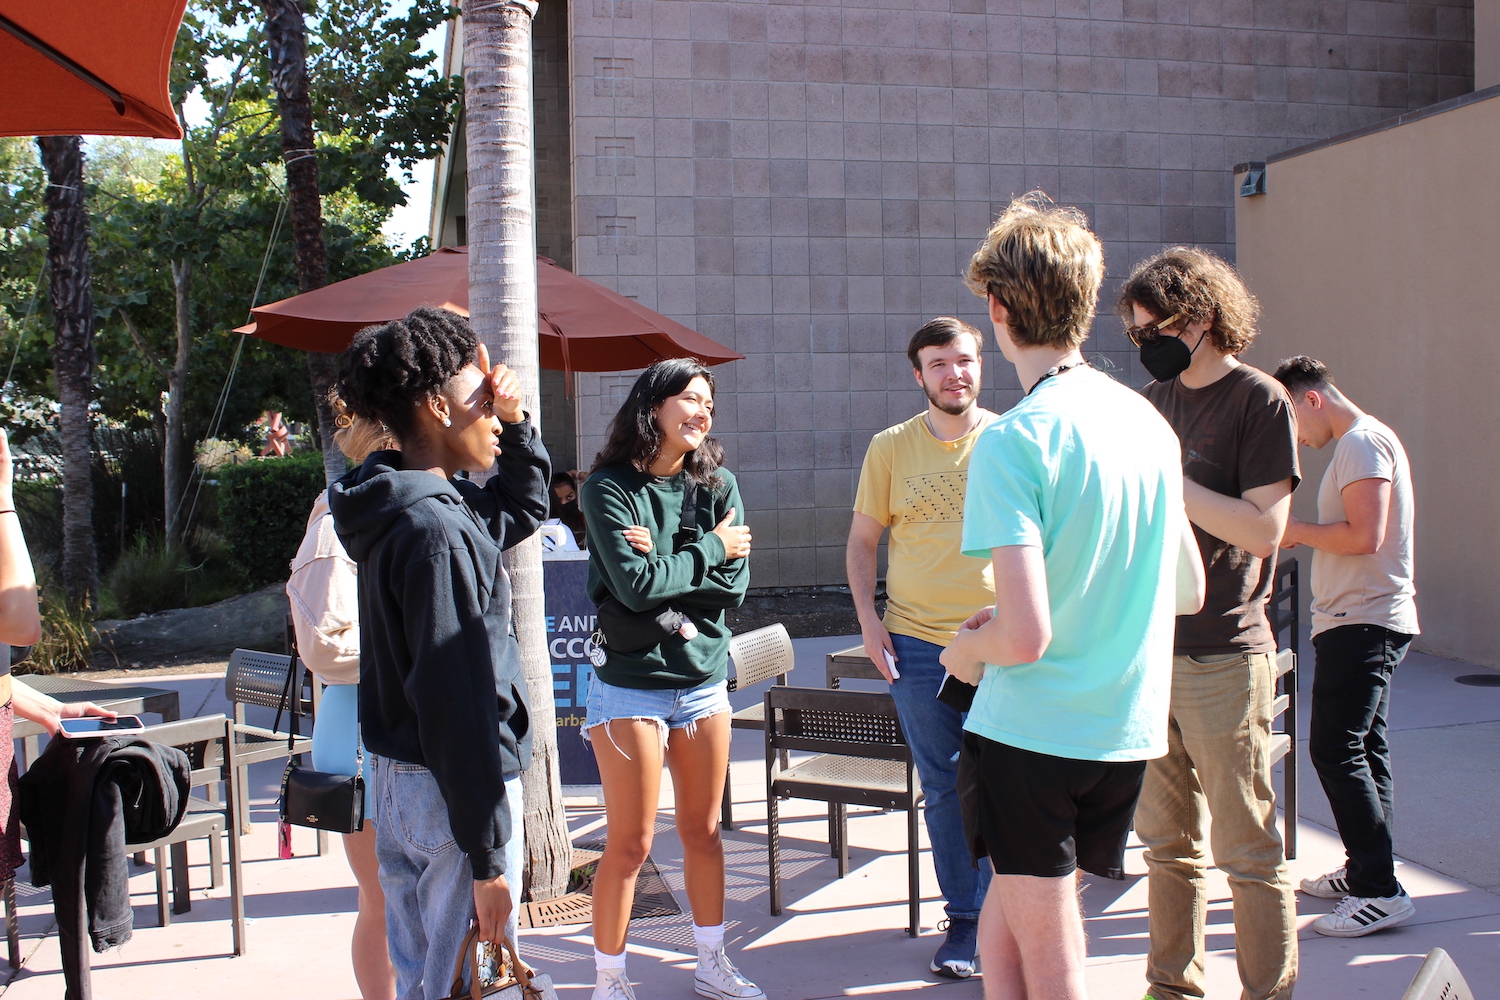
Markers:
(1201, 287)
(1041, 263)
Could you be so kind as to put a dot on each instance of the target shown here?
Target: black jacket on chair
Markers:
(82, 801)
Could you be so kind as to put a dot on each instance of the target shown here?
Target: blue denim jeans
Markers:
(428, 883)
(935, 732)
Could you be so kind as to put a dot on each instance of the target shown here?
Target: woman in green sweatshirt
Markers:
(667, 533)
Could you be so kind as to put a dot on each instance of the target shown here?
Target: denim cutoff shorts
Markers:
(669, 708)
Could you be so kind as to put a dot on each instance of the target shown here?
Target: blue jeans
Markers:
(935, 732)
(428, 882)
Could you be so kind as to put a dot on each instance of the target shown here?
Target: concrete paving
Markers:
(846, 937)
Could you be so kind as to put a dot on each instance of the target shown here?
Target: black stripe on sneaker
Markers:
(1368, 914)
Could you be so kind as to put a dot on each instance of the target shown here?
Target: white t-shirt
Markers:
(1374, 589)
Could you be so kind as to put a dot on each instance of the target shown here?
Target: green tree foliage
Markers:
(212, 205)
(263, 507)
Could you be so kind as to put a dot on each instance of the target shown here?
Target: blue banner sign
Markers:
(570, 623)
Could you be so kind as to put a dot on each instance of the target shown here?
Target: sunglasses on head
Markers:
(1151, 332)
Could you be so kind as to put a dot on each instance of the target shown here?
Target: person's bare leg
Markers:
(1000, 959)
(372, 960)
(1046, 927)
(630, 755)
(699, 761)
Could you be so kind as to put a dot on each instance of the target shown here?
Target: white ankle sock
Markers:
(709, 938)
(609, 963)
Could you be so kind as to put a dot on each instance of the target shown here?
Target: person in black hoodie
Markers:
(442, 699)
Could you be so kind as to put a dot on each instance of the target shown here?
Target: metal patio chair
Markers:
(862, 758)
(757, 656)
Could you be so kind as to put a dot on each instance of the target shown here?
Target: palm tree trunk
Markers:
(502, 307)
(174, 465)
(286, 39)
(72, 356)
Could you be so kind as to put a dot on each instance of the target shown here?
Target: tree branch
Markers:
(140, 342)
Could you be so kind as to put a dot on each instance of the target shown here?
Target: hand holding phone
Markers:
(93, 725)
(890, 664)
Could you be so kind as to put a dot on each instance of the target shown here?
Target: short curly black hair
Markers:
(391, 367)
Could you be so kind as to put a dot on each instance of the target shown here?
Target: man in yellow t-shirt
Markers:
(913, 483)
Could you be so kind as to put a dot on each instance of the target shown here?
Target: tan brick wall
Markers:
(804, 181)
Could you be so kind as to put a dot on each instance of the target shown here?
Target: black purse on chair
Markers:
(317, 799)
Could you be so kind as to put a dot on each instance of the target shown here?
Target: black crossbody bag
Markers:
(318, 799)
(626, 631)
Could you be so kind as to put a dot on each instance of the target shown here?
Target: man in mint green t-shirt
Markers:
(1075, 495)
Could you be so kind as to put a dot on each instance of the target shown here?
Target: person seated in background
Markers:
(564, 505)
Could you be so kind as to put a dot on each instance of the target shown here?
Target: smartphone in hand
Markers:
(93, 725)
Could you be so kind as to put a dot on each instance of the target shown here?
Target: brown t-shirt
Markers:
(1236, 434)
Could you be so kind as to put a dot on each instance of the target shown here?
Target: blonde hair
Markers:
(1198, 286)
(1042, 264)
(356, 436)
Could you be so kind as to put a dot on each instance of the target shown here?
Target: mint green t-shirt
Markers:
(1088, 471)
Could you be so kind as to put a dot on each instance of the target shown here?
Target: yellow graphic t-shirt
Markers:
(914, 484)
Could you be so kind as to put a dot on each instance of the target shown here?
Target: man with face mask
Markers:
(1190, 314)
(913, 483)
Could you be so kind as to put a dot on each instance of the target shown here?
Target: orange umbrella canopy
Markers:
(87, 67)
(583, 325)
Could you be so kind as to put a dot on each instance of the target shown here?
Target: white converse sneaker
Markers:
(1334, 885)
(1356, 916)
(718, 979)
(612, 984)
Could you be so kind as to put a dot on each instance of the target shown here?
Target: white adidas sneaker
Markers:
(1356, 916)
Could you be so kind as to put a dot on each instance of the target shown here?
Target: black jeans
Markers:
(1351, 703)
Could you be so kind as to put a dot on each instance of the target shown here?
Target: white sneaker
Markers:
(718, 979)
(1334, 885)
(1356, 916)
(612, 984)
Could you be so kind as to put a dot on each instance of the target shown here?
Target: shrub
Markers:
(263, 507)
(68, 632)
(148, 577)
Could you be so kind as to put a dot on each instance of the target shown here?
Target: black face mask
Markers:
(1166, 357)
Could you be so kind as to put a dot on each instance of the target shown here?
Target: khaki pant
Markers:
(1218, 763)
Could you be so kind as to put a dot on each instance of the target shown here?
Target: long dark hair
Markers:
(634, 437)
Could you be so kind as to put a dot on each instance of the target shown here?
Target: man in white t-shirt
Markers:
(1364, 616)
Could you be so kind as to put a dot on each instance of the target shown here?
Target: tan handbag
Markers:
(514, 980)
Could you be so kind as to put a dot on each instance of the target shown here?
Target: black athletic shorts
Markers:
(1035, 814)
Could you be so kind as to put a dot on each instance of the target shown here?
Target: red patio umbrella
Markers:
(86, 67)
(583, 325)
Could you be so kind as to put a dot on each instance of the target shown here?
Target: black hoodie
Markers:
(440, 671)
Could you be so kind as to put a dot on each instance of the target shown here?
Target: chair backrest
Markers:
(759, 655)
(206, 740)
(1438, 979)
(1284, 609)
(819, 720)
(258, 678)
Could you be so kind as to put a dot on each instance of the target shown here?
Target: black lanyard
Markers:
(1055, 370)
